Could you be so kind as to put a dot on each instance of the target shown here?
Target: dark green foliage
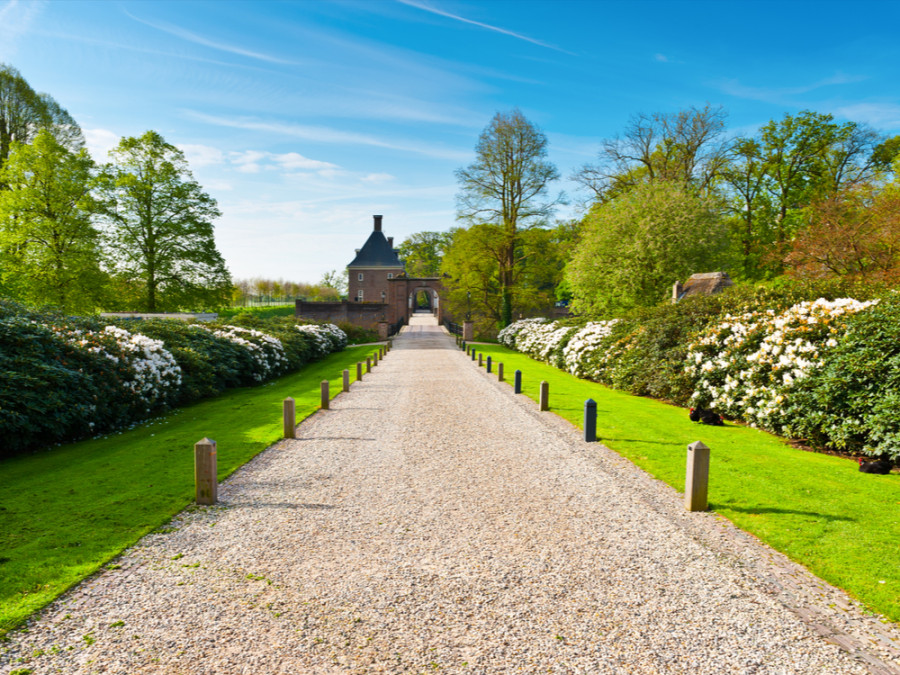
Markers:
(853, 402)
(357, 335)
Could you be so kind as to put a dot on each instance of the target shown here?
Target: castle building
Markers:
(375, 264)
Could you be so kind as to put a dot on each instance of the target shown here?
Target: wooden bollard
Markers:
(590, 421)
(205, 471)
(368, 364)
(488, 364)
(500, 372)
(326, 397)
(375, 359)
(346, 375)
(696, 481)
(480, 359)
(545, 395)
(358, 371)
(517, 383)
(290, 418)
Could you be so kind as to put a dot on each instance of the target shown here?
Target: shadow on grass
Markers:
(772, 510)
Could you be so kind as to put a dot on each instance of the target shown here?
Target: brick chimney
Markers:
(391, 242)
(377, 223)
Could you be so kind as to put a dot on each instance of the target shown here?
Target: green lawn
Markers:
(67, 511)
(819, 510)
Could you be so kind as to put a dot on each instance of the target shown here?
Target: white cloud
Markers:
(202, 155)
(882, 115)
(328, 135)
(206, 42)
(778, 94)
(504, 31)
(254, 161)
(377, 178)
(662, 58)
(99, 142)
(15, 21)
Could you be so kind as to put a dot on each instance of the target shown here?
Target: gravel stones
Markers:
(431, 521)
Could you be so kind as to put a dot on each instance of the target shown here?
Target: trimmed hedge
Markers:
(66, 378)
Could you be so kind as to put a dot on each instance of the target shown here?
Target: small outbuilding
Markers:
(708, 283)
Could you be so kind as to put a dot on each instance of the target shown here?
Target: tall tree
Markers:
(160, 229)
(685, 147)
(49, 247)
(23, 112)
(506, 187)
(633, 248)
(422, 253)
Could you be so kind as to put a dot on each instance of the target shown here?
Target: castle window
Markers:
(359, 276)
(359, 294)
(390, 275)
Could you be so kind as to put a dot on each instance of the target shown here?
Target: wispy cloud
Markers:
(377, 178)
(321, 134)
(778, 94)
(16, 19)
(190, 36)
(202, 155)
(503, 31)
(99, 142)
(881, 115)
(254, 161)
(662, 58)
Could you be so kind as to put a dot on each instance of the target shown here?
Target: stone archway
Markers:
(404, 292)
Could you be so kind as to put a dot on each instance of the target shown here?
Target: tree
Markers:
(853, 233)
(633, 248)
(337, 282)
(422, 253)
(506, 187)
(160, 231)
(685, 147)
(49, 246)
(23, 112)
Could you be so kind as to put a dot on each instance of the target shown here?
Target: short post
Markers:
(290, 418)
(480, 359)
(368, 364)
(517, 383)
(205, 471)
(358, 371)
(590, 421)
(346, 375)
(500, 372)
(390, 345)
(463, 345)
(468, 348)
(473, 353)
(375, 359)
(383, 352)
(326, 398)
(545, 395)
(489, 364)
(696, 482)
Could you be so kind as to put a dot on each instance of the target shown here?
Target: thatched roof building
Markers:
(701, 284)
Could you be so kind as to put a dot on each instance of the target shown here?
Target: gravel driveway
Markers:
(431, 521)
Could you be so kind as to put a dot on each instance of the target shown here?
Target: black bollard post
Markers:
(517, 386)
(590, 421)
(489, 364)
(473, 353)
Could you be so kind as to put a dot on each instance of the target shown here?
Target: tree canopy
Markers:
(159, 226)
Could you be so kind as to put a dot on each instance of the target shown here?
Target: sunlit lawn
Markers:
(67, 511)
(820, 510)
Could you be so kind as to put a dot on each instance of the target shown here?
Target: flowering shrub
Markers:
(584, 346)
(748, 365)
(267, 351)
(66, 378)
(507, 336)
(326, 337)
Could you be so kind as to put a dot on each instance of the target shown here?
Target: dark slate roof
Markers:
(706, 284)
(376, 252)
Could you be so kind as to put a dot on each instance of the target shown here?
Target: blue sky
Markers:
(305, 118)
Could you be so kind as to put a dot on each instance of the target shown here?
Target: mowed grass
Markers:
(819, 510)
(67, 511)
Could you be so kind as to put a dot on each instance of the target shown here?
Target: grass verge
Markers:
(67, 511)
(817, 509)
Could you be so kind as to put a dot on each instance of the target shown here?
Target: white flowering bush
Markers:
(585, 349)
(748, 365)
(507, 336)
(156, 376)
(267, 351)
(326, 337)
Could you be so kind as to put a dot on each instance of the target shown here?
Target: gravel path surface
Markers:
(433, 522)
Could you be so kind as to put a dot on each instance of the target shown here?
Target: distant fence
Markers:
(454, 328)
